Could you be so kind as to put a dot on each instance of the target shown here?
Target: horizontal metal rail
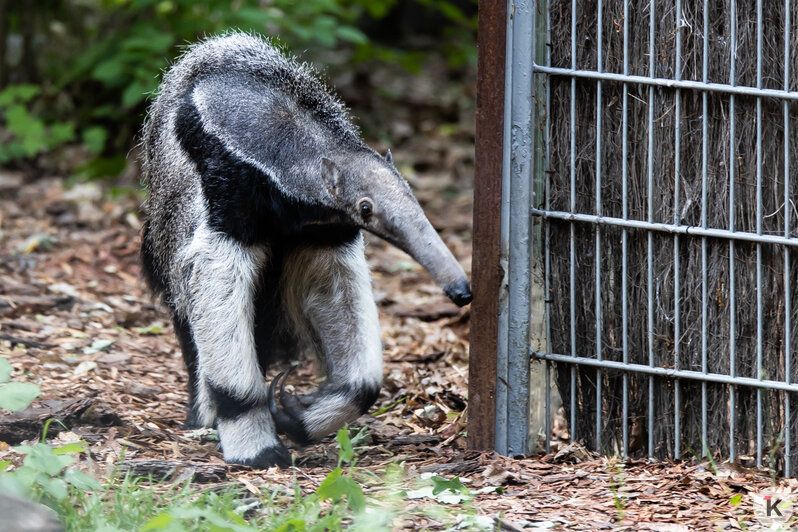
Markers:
(691, 230)
(667, 83)
(667, 372)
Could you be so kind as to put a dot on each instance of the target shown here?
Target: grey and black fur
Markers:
(259, 185)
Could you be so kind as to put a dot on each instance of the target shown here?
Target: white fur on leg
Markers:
(220, 280)
(329, 299)
(246, 436)
(329, 414)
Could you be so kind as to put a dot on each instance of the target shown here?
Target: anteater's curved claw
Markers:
(288, 417)
(272, 387)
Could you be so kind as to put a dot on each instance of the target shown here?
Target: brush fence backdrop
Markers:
(656, 254)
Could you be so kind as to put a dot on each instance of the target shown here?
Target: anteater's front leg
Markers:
(327, 293)
(221, 277)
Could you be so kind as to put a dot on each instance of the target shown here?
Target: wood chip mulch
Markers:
(76, 319)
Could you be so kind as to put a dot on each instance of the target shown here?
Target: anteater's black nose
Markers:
(459, 292)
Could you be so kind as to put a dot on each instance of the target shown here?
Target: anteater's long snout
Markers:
(416, 236)
(459, 292)
(430, 251)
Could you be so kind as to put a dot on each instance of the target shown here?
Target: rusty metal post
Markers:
(486, 271)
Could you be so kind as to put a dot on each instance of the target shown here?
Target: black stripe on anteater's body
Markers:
(259, 186)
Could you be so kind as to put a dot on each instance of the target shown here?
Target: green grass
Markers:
(350, 497)
(136, 504)
(338, 503)
(139, 504)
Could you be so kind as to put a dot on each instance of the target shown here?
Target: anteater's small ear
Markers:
(388, 156)
(331, 176)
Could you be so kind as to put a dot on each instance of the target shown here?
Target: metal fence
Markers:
(646, 235)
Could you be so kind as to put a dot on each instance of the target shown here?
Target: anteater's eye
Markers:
(366, 209)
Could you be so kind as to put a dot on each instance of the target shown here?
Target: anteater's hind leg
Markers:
(327, 294)
(221, 279)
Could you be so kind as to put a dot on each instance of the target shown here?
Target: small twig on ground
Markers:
(315, 483)
(27, 342)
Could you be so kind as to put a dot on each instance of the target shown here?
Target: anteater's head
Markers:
(370, 191)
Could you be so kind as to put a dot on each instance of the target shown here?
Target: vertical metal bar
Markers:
(535, 398)
(787, 287)
(599, 65)
(521, 241)
(677, 329)
(732, 202)
(650, 217)
(624, 237)
(519, 244)
(547, 257)
(759, 314)
(502, 344)
(572, 258)
(704, 162)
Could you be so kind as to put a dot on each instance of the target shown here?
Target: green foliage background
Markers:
(78, 72)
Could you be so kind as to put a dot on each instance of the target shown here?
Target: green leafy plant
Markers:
(441, 484)
(15, 396)
(176, 520)
(43, 475)
(95, 62)
(616, 485)
(97, 76)
(336, 486)
(25, 133)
